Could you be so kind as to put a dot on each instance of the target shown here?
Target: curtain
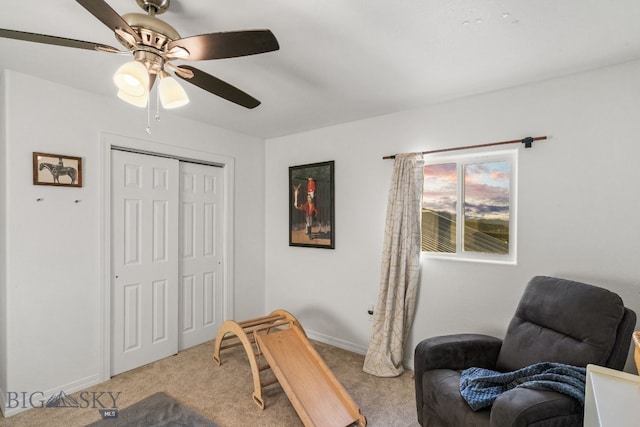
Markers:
(400, 269)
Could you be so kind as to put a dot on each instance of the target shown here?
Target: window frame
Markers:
(510, 156)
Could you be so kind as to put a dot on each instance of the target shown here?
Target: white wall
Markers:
(3, 253)
(52, 274)
(578, 200)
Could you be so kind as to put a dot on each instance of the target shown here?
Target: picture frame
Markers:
(312, 205)
(57, 169)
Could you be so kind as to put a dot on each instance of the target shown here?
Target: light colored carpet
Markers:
(223, 393)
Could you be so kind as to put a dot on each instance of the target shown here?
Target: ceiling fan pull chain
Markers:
(148, 118)
(157, 105)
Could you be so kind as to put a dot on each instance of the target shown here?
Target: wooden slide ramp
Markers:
(315, 393)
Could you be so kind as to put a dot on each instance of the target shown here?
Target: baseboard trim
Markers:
(345, 345)
(407, 363)
(23, 397)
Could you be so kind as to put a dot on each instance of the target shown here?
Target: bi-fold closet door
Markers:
(166, 257)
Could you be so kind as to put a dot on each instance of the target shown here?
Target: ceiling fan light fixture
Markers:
(132, 78)
(172, 95)
(138, 101)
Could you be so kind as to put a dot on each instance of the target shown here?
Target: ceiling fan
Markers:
(154, 44)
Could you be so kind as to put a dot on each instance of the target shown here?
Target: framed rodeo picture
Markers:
(311, 205)
(57, 169)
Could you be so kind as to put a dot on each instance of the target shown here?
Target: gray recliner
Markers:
(557, 320)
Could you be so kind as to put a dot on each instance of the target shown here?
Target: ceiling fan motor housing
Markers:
(155, 35)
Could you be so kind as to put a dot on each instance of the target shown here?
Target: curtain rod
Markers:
(526, 141)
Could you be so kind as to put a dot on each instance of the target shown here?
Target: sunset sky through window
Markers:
(486, 189)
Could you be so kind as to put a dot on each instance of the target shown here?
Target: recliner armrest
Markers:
(455, 352)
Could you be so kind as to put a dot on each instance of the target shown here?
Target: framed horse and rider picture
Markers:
(311, 205)
(57, 169)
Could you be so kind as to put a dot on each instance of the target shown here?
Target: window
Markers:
(480, 189)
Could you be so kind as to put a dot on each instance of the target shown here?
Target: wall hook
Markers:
(39, 199)
(78, 201)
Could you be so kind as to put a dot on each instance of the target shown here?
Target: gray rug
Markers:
(157, 410)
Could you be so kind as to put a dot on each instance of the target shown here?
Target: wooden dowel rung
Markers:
(268, 383)
(271, 326)
(250, 331)
(250, 337)
(264, 368)
(235, 344)
(260, 321)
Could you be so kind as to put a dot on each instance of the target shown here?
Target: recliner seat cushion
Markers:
(441, 391)
(545, 327)
(444, 406)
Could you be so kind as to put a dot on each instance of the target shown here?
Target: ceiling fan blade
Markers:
(227, 44)
(187, 74)
(58, 41)
(220, 88)
(109, 17)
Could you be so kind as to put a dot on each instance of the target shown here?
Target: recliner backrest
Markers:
(562, 321)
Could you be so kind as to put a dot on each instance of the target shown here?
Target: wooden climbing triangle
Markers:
(278, 342)
(232, 334)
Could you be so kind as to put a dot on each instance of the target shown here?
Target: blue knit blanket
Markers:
(480, 387)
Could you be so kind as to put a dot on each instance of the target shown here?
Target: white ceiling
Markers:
(343, 60)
